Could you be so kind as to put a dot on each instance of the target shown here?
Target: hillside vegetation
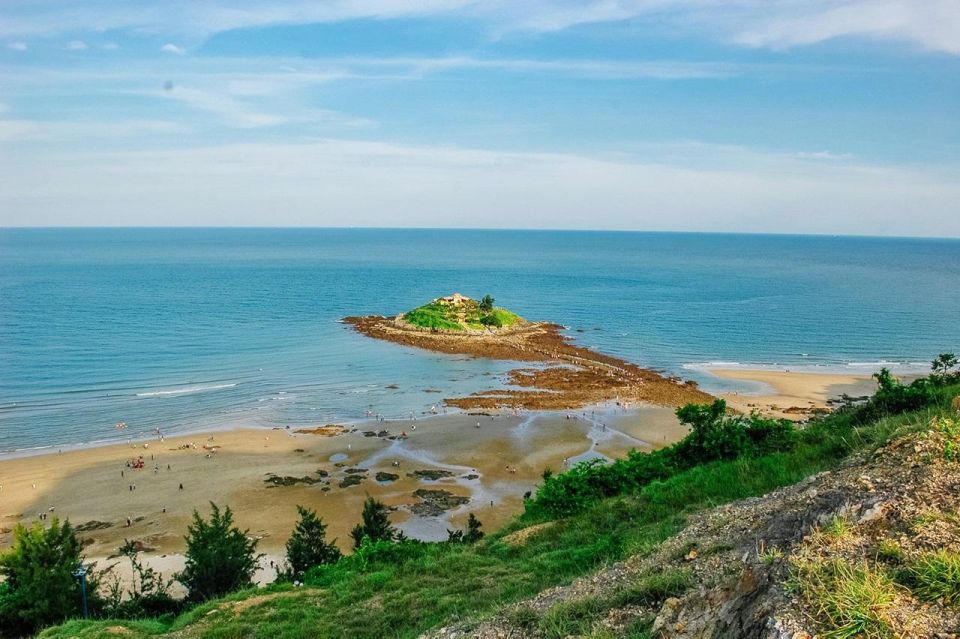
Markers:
(460, 315)
(577, 522)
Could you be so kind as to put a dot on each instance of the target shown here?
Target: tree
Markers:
(486, 303)
(944, 364)
(146, 581)
(220, 557)
(471, 535)
(376, 525)
(39, 588)
(307, 546)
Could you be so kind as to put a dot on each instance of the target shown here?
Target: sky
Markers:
(780, 116)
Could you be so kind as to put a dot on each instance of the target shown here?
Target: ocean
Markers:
(206, 328)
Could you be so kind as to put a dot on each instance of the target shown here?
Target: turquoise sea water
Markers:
(194, 328)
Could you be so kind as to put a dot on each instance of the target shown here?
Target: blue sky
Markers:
(820, 116)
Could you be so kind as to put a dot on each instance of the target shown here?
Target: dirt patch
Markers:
(522, 536)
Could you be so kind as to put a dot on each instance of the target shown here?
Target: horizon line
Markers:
(483, 229)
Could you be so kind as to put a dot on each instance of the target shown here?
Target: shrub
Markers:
(39, 586)
(220, 557)
(714, 436)
(307, 546)
(375, 525)
(471, 535)
(486, 303)
(149, 594)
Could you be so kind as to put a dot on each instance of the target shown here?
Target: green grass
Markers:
(935, 576)
(405, 589)
(447, 317)
(433, 316)
(848, 600)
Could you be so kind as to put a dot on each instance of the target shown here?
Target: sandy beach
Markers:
(790, 394)
(489, 460)
(264, 474)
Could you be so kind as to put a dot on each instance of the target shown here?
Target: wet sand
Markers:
(790, 394)
(492, 465)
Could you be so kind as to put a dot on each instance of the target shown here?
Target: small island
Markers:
(460, 313)
(574, 376)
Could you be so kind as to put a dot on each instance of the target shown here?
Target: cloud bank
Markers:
(353, 183)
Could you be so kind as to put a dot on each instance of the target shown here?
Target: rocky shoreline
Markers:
(574, 377)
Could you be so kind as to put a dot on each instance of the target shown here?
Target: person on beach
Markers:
(181, 486)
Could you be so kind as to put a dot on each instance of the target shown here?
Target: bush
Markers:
(149, 594)
(375, 526)
(307, 546)
(220, 557)
(714, 436)
(39, 588)
(471, 535)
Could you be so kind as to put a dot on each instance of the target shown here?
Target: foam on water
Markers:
(184, 391)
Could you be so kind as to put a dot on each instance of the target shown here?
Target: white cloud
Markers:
(110, 46)
(77, 45)
(172, 48)
(233, 112)
(340, 182)
(931, 24)
(17, 46)
(96, 131)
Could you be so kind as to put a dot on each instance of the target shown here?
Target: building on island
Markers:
(452, 300)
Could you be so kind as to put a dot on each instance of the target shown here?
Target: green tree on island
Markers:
(307, 546)
(39, 587)
(220, 557)
(376, 525)
(486, 303)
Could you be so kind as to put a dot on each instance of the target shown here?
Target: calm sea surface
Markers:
(189, 328)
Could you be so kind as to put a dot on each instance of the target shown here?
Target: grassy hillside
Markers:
(403, 589)
(467, 315)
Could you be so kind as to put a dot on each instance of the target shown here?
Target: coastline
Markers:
(264, 473)
(790, 394)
